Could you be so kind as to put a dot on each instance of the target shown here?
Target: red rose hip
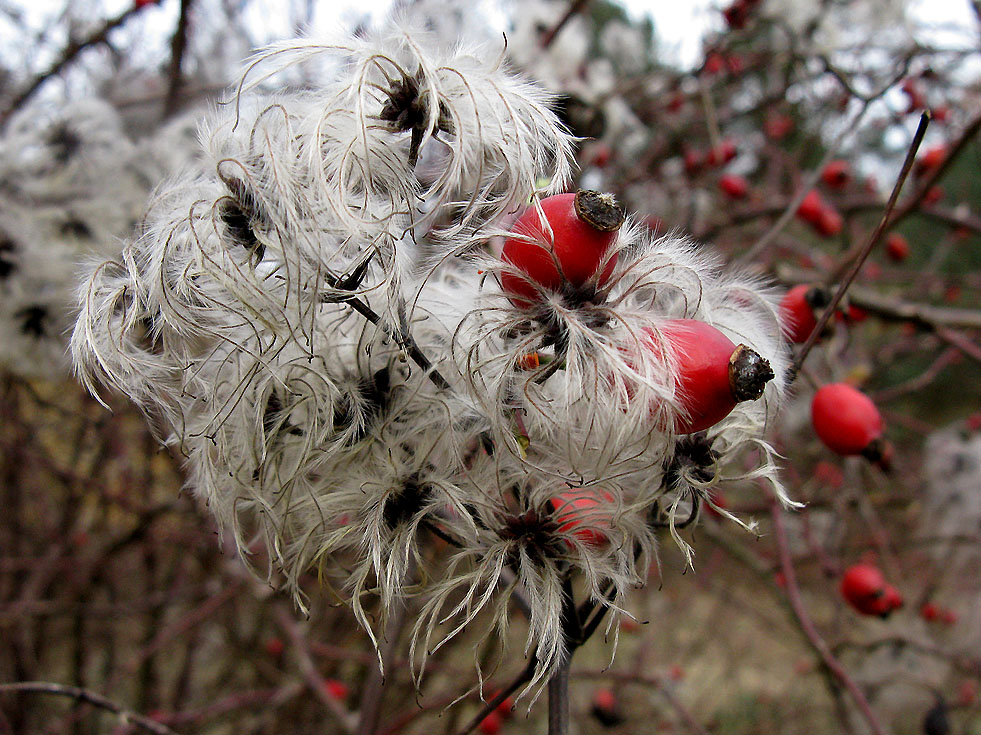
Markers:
(713, 373)
(897, 247)
(798, 310)
(864, 588)
(836, 174)
(847, 421)
(733, 186)
(567, 250)
(584, 512)
(811, 207)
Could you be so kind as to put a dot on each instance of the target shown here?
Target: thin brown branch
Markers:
(315, 682)
(178, 46)
(946, 358)
(558, 698)
(807, 625)
(88, 697)
(374, 690)
(856, 265)
(68, 55)
(912, 203)
(576, 7)
(523, 678)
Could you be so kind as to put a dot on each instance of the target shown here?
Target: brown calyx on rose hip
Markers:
(564, 245)
(749, 372)
(712, 373)
(599, 210)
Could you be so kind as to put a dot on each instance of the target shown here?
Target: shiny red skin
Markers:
(583, 512)
(932, 158)
(933, 195)
(829, 223)
(845, 419)
(948, 616)
(702, 353)
(336, 689)
(811, 207)
(605, 699)
(733, 186)
(778, 126)
(836, 174)
(490, 725)
(796, 315)
(721, 154)
(274, 647)
(693, 161)
(714, 62)
(897, 247)
(892, 600)
(578, 247)
(864, 588)
(912, 90)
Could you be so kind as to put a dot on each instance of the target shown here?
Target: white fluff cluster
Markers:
(311, 317)
(72, 186)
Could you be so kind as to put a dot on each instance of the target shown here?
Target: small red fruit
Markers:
(967, 693)
(274, 646)
(733, 186)
(948, 616)
(912, 90)
(721, 154)
(583, 227)
(892, 600)
(490, 725)
(777, 127)
(931, 158)
(713, 373)
(856, 314)
(798, 310)
(598, 154)
(584, 512)
(847, 421)
(829, 475)
(606, 708)
(933, 195)
(929, 612)
(897, 247)
(714, 62)
(736, 15)
(863, 587)
(811, 207)
(830, 222)
(693, 161)
(506, 708)
(837, 174)
(336, 689)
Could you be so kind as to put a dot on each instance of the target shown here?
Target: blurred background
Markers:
(772, 131)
